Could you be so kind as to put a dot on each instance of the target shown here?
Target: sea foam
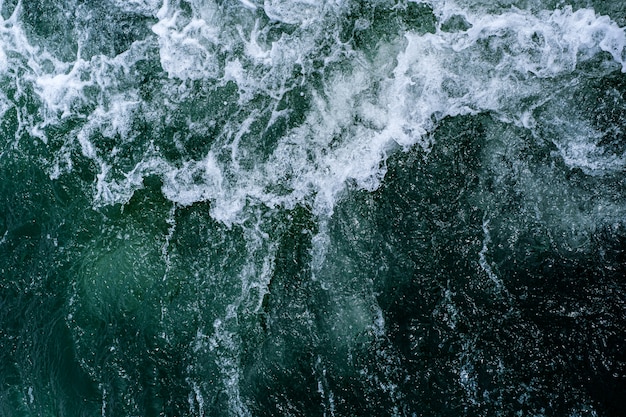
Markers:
(356, 108)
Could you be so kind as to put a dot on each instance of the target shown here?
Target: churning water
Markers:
(312, 208)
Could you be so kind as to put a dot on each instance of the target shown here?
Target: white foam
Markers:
(144, 7)
(189, 45)
(577, 145)
(492, 66)
(4, 63)
(13, 39)
(196, 397)
(293, 11)
(103, 408)
(482, 258)
(250, 5)
(365, 108)
(253, 48)
(60, 91)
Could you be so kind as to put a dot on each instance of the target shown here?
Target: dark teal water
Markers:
(312, 208)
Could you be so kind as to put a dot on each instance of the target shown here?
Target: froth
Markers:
(145, 7)
(292, 12)
(189, 45)
(350, 126)
(332, 112)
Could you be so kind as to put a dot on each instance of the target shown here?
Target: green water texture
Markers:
(191, 227)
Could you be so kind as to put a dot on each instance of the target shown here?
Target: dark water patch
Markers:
(278, 371)
(38, 354)
(369, 25)
(52, 24)
(455, 23)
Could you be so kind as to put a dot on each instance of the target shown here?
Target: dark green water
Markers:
(312, 208)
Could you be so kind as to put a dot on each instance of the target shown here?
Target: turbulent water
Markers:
(312, 208)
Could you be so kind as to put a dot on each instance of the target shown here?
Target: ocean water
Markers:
(312, 208)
